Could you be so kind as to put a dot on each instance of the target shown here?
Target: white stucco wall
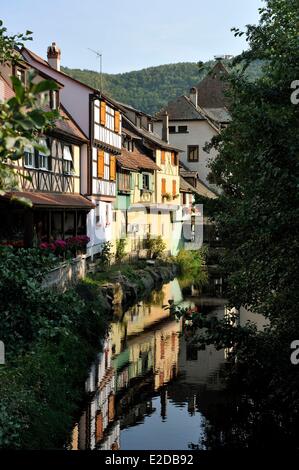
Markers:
(73, 96)
(199, 133)
(99, 231)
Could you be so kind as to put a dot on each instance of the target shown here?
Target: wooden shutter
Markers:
(163, 186)
(174, 159)
(100, 165)
(140, 181)
(174, 187)
(103, 113)
(112, 167)
(162, 157)
(151, 182)
(99, 426)
(116, 121)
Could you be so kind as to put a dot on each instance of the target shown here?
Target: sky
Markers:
(131, 34)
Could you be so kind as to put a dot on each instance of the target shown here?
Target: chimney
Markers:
(193, 95)
(165, 128)
(53, 55)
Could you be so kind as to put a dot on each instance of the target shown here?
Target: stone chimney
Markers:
(165, 127)
(193, 95)
(53, 55)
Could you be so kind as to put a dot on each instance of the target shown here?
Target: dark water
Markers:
(149, 388)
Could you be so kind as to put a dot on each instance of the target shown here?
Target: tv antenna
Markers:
(99, 56)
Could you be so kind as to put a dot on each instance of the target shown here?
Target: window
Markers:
(171, 129)
(106, 166)
(193, 153)
(191, 352)
(67, 160)
(43, 157)
(124, 180)
(20, 74)
(162, 157)
(183, 129)
(163, 186)
(54, 99)
(110, 118)
(29, 157)
(146, 181)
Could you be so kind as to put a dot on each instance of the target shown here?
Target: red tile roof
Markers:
(136, 160)
(6, 89)
(67, 125)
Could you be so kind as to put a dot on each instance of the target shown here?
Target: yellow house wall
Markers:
(170, 172)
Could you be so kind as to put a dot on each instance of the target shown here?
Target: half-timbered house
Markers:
(49, 179)
(101, 121)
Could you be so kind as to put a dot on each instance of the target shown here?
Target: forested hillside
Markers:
(151, 88)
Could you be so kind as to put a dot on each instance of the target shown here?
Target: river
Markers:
(149, 388)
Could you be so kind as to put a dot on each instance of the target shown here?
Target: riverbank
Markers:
(51, 339)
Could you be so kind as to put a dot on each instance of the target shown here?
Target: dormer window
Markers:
(54, 99)
(20, 74)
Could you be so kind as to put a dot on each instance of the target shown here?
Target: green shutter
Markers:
(151, 182)
(140, 181)
(133, 176)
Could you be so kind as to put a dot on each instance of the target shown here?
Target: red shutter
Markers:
(163, 186)
(162, 157)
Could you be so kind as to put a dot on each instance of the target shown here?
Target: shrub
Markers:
(120, 249)
(191, 264)
(156, 246)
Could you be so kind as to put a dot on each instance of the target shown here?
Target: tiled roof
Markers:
(185, 187)
(75, 201)
(211, 101)
(67, 125)
(211, 90)
(181, 108)
(6, 91)
(136, 161)
(218, 114)
(150, 136)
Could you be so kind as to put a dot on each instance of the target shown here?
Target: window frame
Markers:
(190, 149)
(26, 153)
(43, 157)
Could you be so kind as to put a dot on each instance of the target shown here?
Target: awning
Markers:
(52, 200)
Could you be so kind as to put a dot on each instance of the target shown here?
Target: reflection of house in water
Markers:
(203, 366)
(139, 356)
(97, 422)
(166, 353)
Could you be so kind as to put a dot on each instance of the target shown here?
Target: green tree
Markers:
(258, 169)
(257, 217)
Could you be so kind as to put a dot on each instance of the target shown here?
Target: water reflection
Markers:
(149, 388)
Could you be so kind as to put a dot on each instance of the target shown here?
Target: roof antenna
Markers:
(99, 56)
